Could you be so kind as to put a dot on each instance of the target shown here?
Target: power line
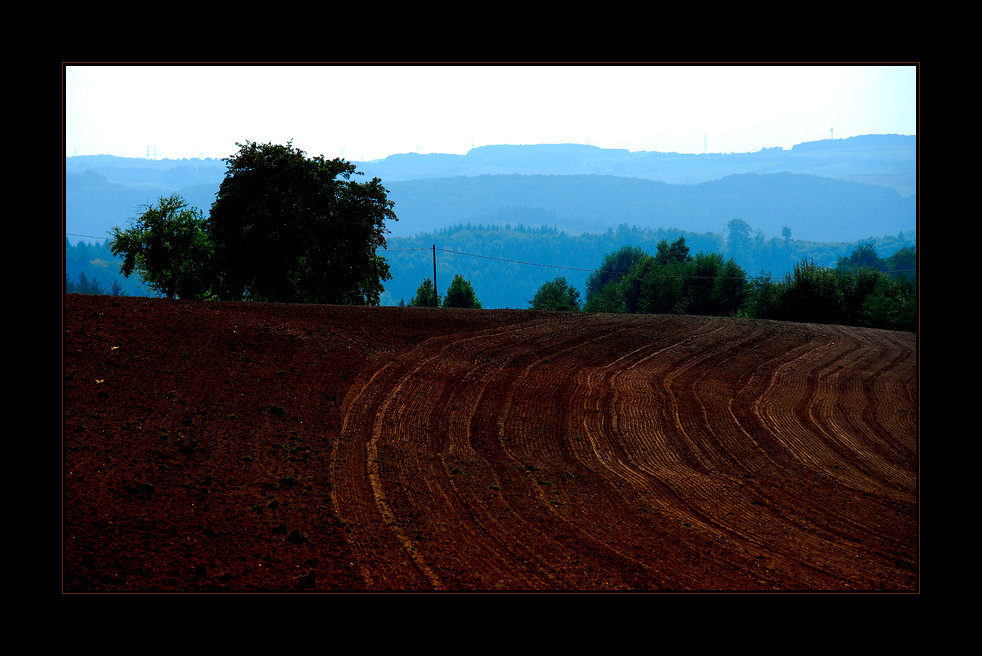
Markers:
(550, 266)
(72, 234)
(556, 266)
(500, 259)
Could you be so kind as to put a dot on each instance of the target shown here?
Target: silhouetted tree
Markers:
(292, 228)
(460, 294)
(426, 295)
(168, 247)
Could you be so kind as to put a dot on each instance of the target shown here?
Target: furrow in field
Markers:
(548, 451)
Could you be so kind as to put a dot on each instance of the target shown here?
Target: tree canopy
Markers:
(284, 227)
(292, 228)
(556, 295)
(426, 296)
(674, 282)
(614, 267)
(861, 296)
(461, 294)
(168, 246)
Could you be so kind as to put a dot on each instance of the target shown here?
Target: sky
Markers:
(362, 113)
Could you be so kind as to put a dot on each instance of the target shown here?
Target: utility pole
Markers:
(436, 297)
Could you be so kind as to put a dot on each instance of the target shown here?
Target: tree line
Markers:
(861, 290)
(494, 256)
(91, 268)
(290, 228)
(460, 294)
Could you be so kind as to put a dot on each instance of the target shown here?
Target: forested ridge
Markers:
(507, 266)
(502, 237)
(815, 208)
(832, 190)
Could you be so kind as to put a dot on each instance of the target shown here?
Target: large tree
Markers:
(292, 228)
(169, 248)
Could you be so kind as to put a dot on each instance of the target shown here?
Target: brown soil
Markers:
(236, 446)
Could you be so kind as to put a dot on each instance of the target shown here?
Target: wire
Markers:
(72, 234)
(556, 266)
(500, 259)
(551, 266)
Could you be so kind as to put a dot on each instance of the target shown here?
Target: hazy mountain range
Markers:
(832, 190)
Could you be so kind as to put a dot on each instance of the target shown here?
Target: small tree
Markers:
(84, 285)
(461, 294)
(556, 295)
(426, 296)
(168, 247)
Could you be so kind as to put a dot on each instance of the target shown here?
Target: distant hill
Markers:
(814, 207)
(812, 188)
(888, 160)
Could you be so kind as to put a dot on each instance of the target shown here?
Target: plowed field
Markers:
(235, 446)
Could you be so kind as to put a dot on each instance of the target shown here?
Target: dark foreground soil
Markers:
(259, 447)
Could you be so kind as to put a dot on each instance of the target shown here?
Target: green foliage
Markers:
(83, 286)
(762, 298)
(505, 280)
(674, 282)
(556, 295)
(892, 305)
(675, 253)
(738, 243)
(168, 247)
(292, 228)
(812, 294)
(857, 286)
(284, 228)
(862, 257)
(426, 296)
(101, 271)
(614, 267)
(902, 265)
(500, 272)
(461, 294)
(862, 290)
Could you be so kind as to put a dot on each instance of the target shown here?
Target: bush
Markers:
(556, 295)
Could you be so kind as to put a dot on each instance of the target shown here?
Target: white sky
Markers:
(370, 112)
